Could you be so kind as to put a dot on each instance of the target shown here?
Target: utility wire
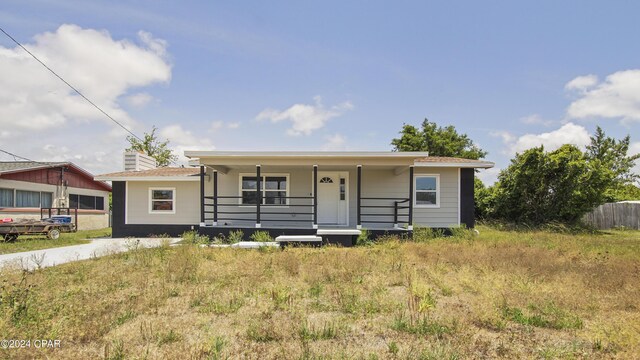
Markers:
(22, 157)
(69, 85)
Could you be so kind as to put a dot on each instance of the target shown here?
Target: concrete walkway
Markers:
(30, 260)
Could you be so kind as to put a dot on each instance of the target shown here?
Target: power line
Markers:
(21, 157)
(69, 85)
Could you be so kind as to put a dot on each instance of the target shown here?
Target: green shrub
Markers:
(235, 236)
(193, 237)
(261, 236)
(364, 239)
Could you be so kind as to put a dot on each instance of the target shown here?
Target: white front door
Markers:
(331, 198)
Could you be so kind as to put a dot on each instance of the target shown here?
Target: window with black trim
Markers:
(86, 202)
(427, 191)
(274, 189)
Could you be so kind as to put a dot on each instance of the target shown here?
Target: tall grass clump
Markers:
(426, 234)
(235, 236)
(193, 237)
(365, 238)
(261, 236)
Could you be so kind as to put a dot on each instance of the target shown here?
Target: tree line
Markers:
(538, 186)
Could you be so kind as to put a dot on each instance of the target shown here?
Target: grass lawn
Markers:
(499, 295)
(37, 242)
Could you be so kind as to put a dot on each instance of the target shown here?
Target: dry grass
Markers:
(499, 295)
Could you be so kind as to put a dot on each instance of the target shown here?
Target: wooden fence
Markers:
(612, 215)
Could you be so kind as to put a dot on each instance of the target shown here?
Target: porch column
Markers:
(215, 197)
(315, 196)
(202, 171)
(410, 223)
(258, 195)
(359, 196)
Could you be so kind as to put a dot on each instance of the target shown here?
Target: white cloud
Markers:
(582, 83)
(305, 118)
(37, 110)
(217, 125)
(536, 119)
(181, 139)
(569, 133)
(618, 96)
(158, 46)
(335, 142)
(506, 136)
(31, 98)
(139, 100)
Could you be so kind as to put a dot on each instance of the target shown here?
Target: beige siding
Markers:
(447, 214)
(385, 183)
(187, 203)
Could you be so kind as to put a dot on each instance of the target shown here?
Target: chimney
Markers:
(135, 161)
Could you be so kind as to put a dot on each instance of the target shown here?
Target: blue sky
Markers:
(317, 76)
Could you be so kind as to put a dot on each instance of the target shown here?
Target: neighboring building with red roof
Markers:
(296, 193)
(26, 187)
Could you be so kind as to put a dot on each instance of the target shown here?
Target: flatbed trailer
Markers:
(9, 231)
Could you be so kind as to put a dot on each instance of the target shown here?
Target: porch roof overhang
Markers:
(223, 160)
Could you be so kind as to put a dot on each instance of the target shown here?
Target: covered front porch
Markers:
(304, 198)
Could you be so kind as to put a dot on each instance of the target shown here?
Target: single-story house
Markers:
(296, 193)
(26, 187)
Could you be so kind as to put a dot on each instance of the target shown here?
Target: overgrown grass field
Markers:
(37, 242)
(501, 294)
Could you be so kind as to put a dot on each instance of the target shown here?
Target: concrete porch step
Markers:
(299, 239)
(348, 232)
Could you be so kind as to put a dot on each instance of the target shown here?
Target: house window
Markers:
(6, 197)
(86, 202)
(427, 191)
(33, 198)
(274, 188)
(342, 188)
(162, 200)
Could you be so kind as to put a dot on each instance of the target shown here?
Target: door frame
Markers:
(346, 192)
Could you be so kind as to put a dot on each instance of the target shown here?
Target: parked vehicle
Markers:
(51, 226)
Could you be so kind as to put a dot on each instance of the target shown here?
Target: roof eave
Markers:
(482, 165)
(303, 154)
(147, 178)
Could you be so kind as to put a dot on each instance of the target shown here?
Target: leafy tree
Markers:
(437, 140)
(540, 187)
(153, 147)
(625, 192)
(484, 199)
(612, 154)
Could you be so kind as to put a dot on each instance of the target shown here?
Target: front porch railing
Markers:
(227, 208)
(390, 210)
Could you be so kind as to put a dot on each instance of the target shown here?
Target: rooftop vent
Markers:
(135, 161)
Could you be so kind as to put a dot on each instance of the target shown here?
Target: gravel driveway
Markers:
(31, 260)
